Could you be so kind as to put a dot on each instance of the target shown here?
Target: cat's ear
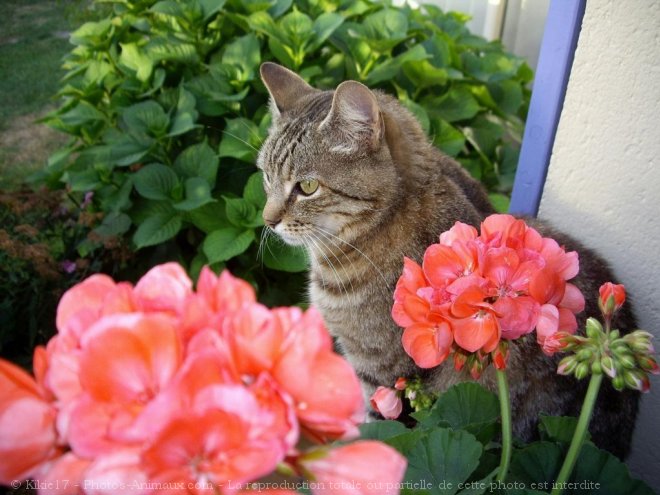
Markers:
(285, 87)
(356, 115)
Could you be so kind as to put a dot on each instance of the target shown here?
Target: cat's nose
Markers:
(272, 222)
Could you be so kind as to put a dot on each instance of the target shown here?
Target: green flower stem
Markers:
(505, 412)
(580, 433)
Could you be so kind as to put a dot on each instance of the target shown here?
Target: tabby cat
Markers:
(350, 175)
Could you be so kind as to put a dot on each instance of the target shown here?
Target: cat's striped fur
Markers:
(384, 192)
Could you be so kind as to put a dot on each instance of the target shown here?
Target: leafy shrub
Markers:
(464, 420)
(166, 111)
(40, 244)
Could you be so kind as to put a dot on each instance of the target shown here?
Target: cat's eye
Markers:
(309, 186)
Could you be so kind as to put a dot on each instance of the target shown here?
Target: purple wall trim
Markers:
(562, 29)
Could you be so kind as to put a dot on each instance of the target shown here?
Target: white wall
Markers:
(603, 184)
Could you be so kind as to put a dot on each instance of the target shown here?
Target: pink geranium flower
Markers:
(474, 289)
(159, 383)
(361, 468)
(27, 425)
(387, 402)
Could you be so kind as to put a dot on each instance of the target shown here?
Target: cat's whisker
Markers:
(320, 251)
(329, 239)
(343, 269)
(358, 250)
(269, 233)
(262, 240)
(242, 121)
(237, 138)
(311, 247)
(337, 277)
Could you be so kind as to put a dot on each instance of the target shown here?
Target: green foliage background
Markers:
(166, 113)
(454, 449)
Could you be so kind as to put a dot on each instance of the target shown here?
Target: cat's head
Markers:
(327, 168)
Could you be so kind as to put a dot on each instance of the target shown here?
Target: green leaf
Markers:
(146, 116)
(240, 140)
(381, 430)
(604, 473)
(198, 160)
(123, 152)
(254, 190)
(198, 193)
(282, 52)
(391, 67)
(324, 25)
(490, 67)
(83, 180)
(457, 104)
(298, 27)
(443, 459)
(210, 7)
(536, 465)
(263, 23)
(210, 217)
(186, 115)
(240, 212)
(114, 224)
(420, 113)
(279, 8)
(117, 200)
(280, 256)
(447, 137)
(463, 405)
(226, 243)
(385, 29)
(169, 7)
(423, 74)
(82, 114)
(466, 406)
(90, 33)
(500, 202)
(558, 428)
(171, 49)
(508, 95)
(484, 135)
(245, 54)
(135, 59)
(155, 181)
(157, 229)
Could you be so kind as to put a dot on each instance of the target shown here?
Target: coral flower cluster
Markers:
(160, 388)
(476, 290)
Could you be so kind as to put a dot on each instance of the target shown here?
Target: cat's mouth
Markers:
(291, 234)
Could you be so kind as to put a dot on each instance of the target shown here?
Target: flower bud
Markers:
(459, 360)
(401, 383)
(618, 383)
(387, 402)
(594, 328)
(567, 365)
(613, 335)
(607, 363)
(596, 368)
(584, 354)
(626, 360)
(636, 380)
(640, 341)
(648, 364)
(476, 369)
(611, 298)
(501, 355)
(581, 370)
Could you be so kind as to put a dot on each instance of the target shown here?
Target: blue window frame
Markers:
(562, 29)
